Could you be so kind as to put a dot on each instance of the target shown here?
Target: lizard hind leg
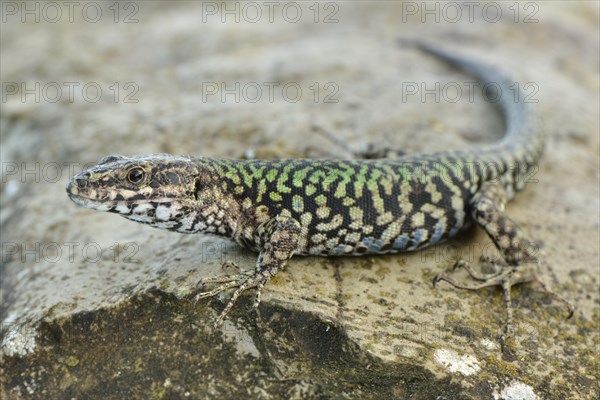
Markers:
(277, 239)
(520, 265)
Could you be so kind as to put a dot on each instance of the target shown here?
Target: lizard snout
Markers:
(76, 184)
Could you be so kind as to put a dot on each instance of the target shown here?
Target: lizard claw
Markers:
(437, 278)
(562, 300)
(242, 281)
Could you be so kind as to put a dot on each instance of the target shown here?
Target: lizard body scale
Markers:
(282, 208)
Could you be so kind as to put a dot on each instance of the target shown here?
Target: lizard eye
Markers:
(136, 175)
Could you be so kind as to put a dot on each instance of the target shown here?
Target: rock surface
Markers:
(96, 306)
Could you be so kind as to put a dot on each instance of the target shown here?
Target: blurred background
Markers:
(86, 297)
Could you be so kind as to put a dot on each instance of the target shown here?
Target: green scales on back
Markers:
(351, 207)
(335, 207)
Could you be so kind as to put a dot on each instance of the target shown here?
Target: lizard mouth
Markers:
(74, 192)
(79, 200)
(87, 202)
(92, 202)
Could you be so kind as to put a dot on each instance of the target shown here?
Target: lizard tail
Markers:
(523, 139)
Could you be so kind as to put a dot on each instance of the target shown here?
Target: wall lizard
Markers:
(337, 207)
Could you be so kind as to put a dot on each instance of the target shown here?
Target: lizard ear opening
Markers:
(110, 159)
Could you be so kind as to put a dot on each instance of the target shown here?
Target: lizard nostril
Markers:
(76, 184)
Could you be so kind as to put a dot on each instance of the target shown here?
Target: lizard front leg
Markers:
(510, 239)
(277, 239)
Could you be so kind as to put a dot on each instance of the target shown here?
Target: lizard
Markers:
(338, 207)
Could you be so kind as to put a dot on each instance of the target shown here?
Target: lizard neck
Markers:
(225, 203)
(217, 210)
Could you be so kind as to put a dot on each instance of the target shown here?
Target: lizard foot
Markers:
(505, 278)
(242, 281)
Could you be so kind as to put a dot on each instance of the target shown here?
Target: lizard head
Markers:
(156, 189)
